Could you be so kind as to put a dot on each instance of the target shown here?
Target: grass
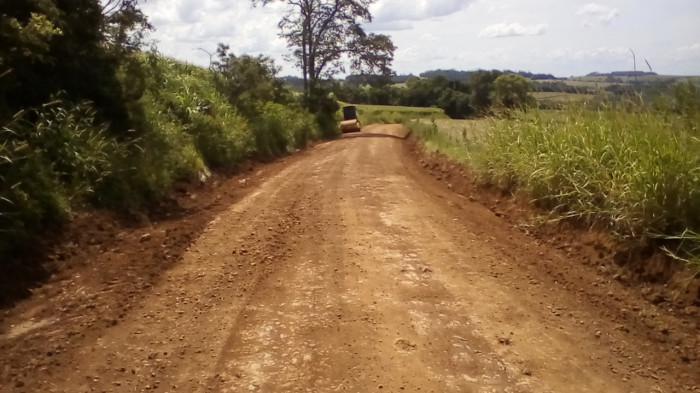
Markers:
(370, 114)
(457, 139)
(463, 130)
(634, 170)
(562, 98)
(63, 155)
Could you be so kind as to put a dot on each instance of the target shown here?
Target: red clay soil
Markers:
(346, 267)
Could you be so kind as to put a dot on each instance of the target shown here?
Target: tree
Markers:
(325, 33)
(124, 25)
(248, 81)
(481, 87)
(69, 46)
(511, 90)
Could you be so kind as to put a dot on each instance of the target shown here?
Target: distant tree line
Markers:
(623, 73)
(455, 75)
(459, 99)
(559, 87)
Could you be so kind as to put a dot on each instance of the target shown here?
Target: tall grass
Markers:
(62, 155)
(639, 172)
(454, 138)
(187, 96)
(628, 167)
(279, 129)
(50, 159)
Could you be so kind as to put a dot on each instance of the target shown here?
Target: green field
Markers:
(561, 98)
(385, 114)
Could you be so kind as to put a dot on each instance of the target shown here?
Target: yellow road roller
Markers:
(350, 122)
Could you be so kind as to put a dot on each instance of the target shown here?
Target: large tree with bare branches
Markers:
(124, 25)
(326, 35)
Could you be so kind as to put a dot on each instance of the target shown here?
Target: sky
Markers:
(560, 37)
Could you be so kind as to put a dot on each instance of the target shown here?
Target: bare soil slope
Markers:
(344, 268)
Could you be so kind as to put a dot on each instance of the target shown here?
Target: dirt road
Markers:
(350, 269)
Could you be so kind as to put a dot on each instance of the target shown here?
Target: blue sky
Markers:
(562, 37)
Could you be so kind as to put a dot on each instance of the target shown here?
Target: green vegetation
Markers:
(384, 114)
(458, 99)
(455, 138)
(116, 127)
(470, 94)
(59, 155)
(632, 167)
(512, 91)
(323, 34)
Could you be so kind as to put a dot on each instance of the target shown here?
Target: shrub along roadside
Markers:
(50, 158)
(632, 169)
(278, 129)
(60, 156)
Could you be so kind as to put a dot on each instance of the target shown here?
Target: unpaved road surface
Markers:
(350, 269)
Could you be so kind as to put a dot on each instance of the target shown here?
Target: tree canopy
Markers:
(511, 90)
(70, 46)
(325, 34)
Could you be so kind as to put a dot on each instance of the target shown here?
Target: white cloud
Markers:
(495, 6)
(589, 54)
(512, 30)
(182, 26)
(595, 13)
(185, 25)
(686, 52)
(394, 25)
(393, 10)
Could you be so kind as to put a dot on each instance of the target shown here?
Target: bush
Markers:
(50, 159)
(189, 94)
(60, 156)
(162, 155)
(512, 91)
(278, 129)
(325, 107)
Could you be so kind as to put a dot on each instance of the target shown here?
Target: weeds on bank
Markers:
(49, 159)
(628, 166)
(441, 136)
(62, 154)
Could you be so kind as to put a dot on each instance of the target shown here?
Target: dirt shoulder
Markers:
(95, 269)
(345, 267)
(661, 280)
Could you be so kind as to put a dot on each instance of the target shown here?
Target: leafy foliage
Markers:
(322, 33)
(70, 46)
(280, 129)
(190, 98)
(248, 81)
(458, 99)
(49, 160)
(629, 167)
(512, 91)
